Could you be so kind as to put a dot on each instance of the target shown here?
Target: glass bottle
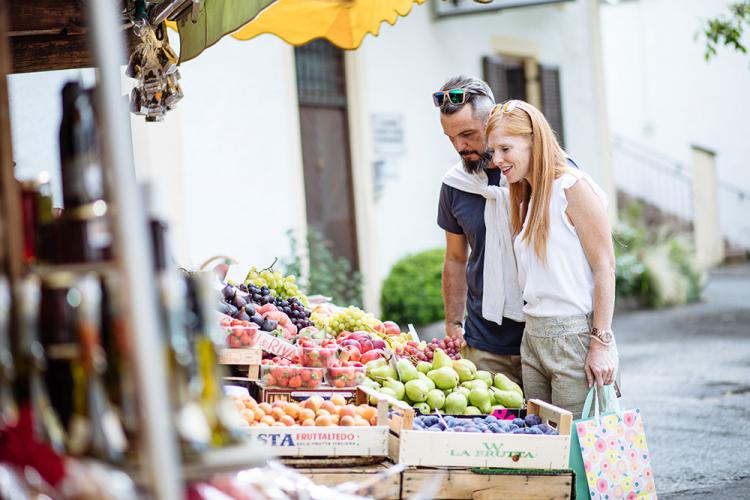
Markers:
(95, 428)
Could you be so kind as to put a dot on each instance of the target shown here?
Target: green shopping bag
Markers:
(609, 453)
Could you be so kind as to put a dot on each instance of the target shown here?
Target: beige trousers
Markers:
(508, 364)
(553, 356)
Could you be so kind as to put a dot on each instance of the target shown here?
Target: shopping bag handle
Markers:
(611, 405)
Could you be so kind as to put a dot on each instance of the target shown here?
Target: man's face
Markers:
(466, 133)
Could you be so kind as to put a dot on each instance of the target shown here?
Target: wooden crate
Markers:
(459, 484)
(244, 362)
(331, 441)
(451, 449)
(271, 394)
(336, 472)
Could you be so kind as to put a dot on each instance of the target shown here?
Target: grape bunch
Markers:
(296, 311)
(450, 345)
(275, 283)
(349, 319)
(424, 352)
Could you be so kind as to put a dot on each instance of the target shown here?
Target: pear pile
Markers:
(454, 387)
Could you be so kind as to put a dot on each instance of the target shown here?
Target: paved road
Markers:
(688, 369)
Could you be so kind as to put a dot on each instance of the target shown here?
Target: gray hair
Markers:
(479, 96)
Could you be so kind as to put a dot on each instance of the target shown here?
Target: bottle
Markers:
(225, 421)
(31, 364)
(8, 407)
(57, 335)
(118, 376)
(84, 229)
(191, 421)
(95, 428)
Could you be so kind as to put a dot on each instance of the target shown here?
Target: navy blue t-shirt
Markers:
(460, 212)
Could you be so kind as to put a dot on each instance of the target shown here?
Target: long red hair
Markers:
(547, 163)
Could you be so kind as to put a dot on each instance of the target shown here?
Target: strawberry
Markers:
(295, 381)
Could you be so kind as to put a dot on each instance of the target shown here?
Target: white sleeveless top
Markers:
(564, 285)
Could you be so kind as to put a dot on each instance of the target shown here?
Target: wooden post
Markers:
(11, 233)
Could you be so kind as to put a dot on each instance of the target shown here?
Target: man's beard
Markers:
(473, 166)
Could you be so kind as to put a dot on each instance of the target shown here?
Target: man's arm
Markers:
(454, 283)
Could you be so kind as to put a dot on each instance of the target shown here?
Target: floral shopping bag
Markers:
(609, 452)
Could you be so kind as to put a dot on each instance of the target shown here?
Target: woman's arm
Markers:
(588, 215)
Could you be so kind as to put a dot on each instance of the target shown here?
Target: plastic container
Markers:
(345, 376)
(318, 357)
(292, 376)
(242, 336)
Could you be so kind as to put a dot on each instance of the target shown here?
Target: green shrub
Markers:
(655, 267)
(412, 291)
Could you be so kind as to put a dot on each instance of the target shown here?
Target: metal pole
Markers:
(160, 460)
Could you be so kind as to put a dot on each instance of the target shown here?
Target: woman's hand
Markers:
(600, 367)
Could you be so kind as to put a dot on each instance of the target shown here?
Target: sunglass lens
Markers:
(457, 96)
(438, 98)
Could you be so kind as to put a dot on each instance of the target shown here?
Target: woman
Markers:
(566, 263)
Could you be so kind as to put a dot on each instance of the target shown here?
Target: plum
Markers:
(532, 420)
(258, 319)
(228, 292)
(519, 422)
(269, 325)
(239, 301)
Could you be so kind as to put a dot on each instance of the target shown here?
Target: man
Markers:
(473, 212)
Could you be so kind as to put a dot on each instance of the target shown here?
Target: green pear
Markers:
(427, 380)
(406, 370)
(436, 399)
(417, 390)
(444, 378)
(455, 403)
(509, 399)
(470, 364)
(464, 390)
(382, 390)
(375, 363)
(481, 398)
(471, 384)
(396, 386)
(464, 371)
(381, 373)
(502, 382)
(472, 410)
(441, 360)
(424, 367)
(484, 375)
(423, 408)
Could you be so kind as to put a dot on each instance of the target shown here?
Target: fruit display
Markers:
(451, 386)
(345, 376)
(292, 376)
(531, 424)
(314, 411)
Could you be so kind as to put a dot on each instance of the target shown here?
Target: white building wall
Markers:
(664, 95)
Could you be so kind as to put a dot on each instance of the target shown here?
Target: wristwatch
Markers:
(604, 336)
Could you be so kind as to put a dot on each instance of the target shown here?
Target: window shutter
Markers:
(505, 77)
(549, 83)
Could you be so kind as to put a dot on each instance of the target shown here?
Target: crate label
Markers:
(323, 441)
(490, 450)
(277, 346)
(240, 357)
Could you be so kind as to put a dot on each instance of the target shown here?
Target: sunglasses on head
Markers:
(455, 96)
(506, 107)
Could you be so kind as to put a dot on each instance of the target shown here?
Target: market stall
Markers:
(112, 357)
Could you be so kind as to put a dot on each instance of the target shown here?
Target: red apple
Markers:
(378, 344)
(266, 308)
(370, 355)
(379, 327)
(392, 328)
(350, 353)
(366, 345)
(350, 342)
